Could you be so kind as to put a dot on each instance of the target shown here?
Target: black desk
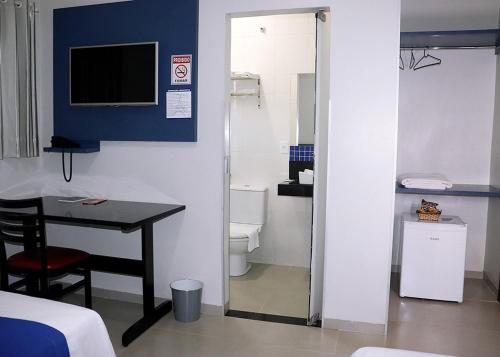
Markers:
(127, 217)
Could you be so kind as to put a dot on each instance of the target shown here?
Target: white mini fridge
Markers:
(433, 258)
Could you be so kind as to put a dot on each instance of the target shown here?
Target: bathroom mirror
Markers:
(302, 126)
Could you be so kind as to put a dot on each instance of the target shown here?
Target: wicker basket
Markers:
(428, 216)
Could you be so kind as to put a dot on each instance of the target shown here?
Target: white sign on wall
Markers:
(181, 69)
(178, 104)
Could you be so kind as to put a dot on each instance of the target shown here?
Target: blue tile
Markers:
(302, 152)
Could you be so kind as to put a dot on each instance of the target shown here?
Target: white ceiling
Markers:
(442, 15)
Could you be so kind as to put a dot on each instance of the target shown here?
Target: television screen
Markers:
(124, 74)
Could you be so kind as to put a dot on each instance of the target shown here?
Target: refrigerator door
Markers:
(433, 261)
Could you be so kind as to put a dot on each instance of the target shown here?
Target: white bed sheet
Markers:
(83, 328)
(389, 352)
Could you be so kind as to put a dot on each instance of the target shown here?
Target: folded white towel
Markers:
(425, 181)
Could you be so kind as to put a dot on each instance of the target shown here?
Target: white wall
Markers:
(286, 48)
(445, 126)
(449, 15)
(492, 258)
(362, 160)
(363, 134)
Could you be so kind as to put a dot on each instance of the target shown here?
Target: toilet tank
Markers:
(248, 204)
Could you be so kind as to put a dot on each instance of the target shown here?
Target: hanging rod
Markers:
(448, 40)
(408, 48)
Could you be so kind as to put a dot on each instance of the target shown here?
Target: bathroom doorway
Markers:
(276, 149)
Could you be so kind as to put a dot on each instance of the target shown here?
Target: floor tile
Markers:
(470, 329)
(157, 342)
(478, 290)
(295, 304)
(348, 342)
(271, 289)
(115, 331)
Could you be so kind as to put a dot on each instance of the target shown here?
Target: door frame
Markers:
(227, 136)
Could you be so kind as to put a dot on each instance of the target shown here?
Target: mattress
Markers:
(84, 330)
(389, 352)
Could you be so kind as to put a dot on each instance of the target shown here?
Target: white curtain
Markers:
(18, 106)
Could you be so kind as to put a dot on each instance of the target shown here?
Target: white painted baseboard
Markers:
(490, 284)
(354, 326)
(137, 299)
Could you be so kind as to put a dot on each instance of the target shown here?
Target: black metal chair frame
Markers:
(22, 223)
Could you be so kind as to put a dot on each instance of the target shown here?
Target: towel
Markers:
(425, 181)
(249, 230)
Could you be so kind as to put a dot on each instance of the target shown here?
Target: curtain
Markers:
(18, 106)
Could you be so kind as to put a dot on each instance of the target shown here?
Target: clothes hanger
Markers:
(426, 56)
(401, 62)
(412, 60)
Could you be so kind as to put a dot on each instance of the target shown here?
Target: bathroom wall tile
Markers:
(299, 47)
(302, 153)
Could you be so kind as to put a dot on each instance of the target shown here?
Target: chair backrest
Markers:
(22, 222)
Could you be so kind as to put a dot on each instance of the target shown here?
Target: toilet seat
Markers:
(242, 231)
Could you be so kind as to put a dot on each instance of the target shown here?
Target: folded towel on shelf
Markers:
(425, 181)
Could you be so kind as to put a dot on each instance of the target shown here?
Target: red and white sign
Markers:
(181, 69)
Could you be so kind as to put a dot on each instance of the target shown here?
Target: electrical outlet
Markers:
(284, 147)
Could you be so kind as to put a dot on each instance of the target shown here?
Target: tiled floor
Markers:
(271, 289)
(471, 329)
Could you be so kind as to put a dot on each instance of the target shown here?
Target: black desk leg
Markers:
(151, 313)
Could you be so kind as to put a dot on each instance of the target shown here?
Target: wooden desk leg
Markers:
(150, 312)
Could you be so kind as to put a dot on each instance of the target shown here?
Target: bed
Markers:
(44, 328)
(389, 352)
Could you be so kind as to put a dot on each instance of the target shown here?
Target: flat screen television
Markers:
(122, 74)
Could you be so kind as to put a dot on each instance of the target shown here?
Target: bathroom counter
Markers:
(295, 189)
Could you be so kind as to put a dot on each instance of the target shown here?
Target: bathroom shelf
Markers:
(245, 94)
(467, 39)
(246, 76)
(456, 190)
(295, 189)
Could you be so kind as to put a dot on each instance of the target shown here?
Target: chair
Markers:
(22, 223)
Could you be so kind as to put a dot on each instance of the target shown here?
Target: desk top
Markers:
(124, 215)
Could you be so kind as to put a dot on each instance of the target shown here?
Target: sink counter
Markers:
(295, 189)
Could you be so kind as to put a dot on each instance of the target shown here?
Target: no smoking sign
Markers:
(181, 69)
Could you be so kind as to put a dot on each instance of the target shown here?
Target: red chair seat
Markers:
(57, 258)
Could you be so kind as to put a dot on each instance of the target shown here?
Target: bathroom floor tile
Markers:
(287, 303)
(271, 289)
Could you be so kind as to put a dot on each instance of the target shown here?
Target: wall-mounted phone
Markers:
(65, 143)
(62, 142)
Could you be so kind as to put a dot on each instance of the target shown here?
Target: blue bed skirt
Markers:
(28, 338)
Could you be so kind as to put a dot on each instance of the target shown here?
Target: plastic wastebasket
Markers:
(186, 299)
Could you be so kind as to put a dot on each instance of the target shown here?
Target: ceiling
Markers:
(442, 15)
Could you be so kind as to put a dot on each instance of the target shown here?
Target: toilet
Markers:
(247, 216)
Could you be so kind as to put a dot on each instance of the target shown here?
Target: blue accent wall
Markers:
(174, 24)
